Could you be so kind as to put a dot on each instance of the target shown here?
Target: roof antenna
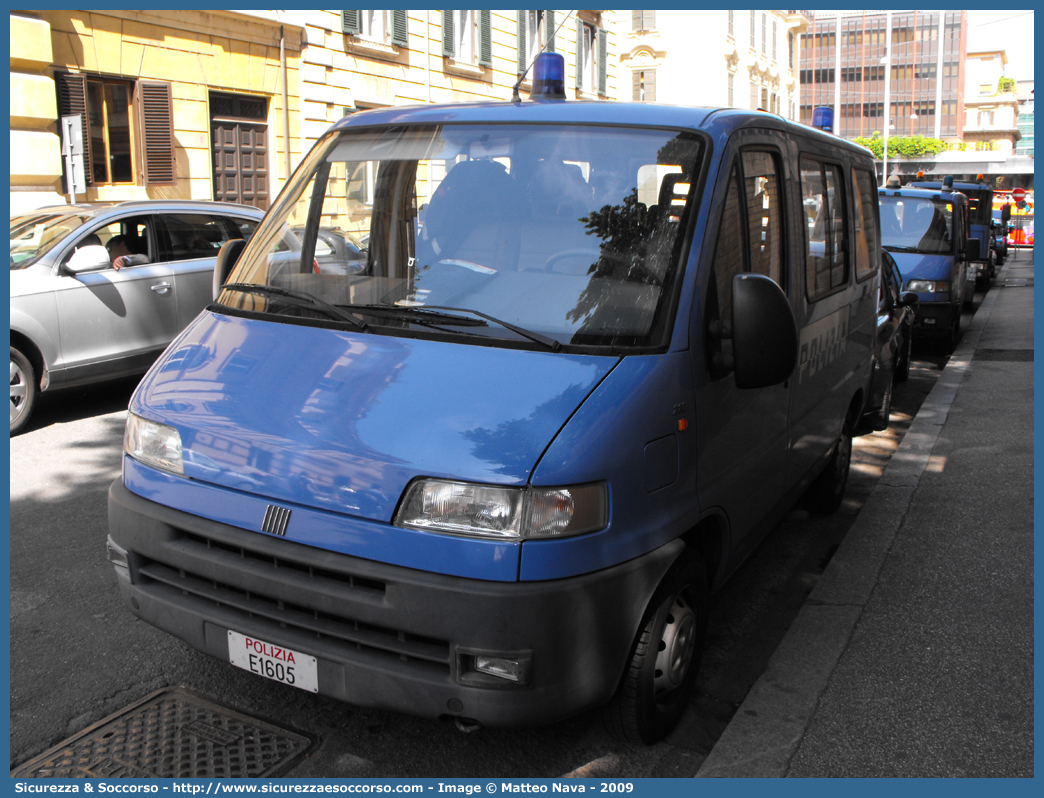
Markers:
(515, 96)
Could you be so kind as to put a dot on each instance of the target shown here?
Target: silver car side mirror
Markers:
(88, 259)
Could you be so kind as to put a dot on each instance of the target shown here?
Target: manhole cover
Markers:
(172, 734)
(1005, 355)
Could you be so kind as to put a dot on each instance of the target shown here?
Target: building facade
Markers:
(1024, 147)
(991, 104)
(741, 59)
(223, 104)
(846, 57)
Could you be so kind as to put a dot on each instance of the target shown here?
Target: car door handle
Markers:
(161, 288)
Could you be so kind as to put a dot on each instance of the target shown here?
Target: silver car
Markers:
(75, 319)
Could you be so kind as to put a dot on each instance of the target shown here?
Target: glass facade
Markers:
(916, 72)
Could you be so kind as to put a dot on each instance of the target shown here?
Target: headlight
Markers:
(928, 286)
(488, 511)
(153, 444)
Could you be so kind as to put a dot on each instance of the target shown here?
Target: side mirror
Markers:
(88, 259)
(764, 332)
(226, 259)
(908, 299)
(971, 248)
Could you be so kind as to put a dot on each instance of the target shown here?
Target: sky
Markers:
(1011, 31)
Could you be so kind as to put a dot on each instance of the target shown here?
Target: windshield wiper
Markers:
(425, 315)
(550, 343)
(894, 248)
(418, 314)
(300, 299)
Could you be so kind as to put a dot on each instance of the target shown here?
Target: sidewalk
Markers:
(913, 656)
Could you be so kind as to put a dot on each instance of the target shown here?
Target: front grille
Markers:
(312, 589)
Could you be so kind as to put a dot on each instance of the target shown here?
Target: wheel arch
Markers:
(24, 344)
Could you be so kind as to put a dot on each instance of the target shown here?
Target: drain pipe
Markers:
(286, 102)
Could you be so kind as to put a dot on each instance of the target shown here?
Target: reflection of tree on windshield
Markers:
(630, 253)
(637, 245)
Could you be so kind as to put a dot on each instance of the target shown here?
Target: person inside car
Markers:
(127, 251)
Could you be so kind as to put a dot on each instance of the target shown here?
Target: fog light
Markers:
(504, 668)
(118, 558)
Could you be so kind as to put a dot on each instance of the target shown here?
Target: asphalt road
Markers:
(77, 656)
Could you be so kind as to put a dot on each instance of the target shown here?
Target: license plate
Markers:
(273, 662)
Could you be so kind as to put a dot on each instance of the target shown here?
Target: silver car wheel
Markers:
(19, 391)
(677, 645)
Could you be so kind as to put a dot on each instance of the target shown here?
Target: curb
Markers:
(767, 729)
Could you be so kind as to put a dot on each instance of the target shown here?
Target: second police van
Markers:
(926, 230)
(494, 474)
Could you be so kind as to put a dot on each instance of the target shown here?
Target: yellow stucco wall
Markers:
(35, 150)
(196, 51)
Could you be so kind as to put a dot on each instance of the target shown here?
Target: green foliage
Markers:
(1005, 85)
(903, 146)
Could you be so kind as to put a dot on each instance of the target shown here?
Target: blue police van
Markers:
(981, 269)
(926, 231)
(494, 473)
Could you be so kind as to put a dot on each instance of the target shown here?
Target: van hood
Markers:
(913, 265)
(343, 421)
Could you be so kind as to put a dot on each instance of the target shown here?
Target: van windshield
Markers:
(917, 224)
(570, 233)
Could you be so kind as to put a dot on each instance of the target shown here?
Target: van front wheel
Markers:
(665, 656)
(825, 494)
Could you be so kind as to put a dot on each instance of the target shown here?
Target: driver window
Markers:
(124, 237)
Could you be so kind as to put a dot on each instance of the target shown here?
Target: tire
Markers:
(665, 656)
(902, 368)
(949, 343)
(824, 496)
(23, 390)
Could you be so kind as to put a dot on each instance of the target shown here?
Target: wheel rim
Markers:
(19, 391)
(842, 461)
(677, 647)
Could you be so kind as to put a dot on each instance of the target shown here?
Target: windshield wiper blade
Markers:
(550, 343)
(895, 248)
(419, 314)
(301, 299)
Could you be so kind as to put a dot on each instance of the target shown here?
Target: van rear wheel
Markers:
(825, 494)
(665, 657)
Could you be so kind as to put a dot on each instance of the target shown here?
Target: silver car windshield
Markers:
(571, 233)
(34, 235)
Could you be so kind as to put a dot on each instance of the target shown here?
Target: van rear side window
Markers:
(867, 248)
(826, 263)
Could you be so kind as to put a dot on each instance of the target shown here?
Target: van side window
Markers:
(764, 214)
(728, 254)
(867, 247)
(826, 263)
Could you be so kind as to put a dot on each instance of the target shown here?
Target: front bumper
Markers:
(935, 318)
(385, 636)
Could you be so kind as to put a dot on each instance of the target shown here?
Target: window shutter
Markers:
(449, 40)
(650, 85)
(485, 39)
(549, 31)
(155, 123)
(72, 99)
(350, 22)
(636, 86)
(636, 20)
(579, 55)
(521, 44)
(400, 28)
(603, 55)
(649, 20)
